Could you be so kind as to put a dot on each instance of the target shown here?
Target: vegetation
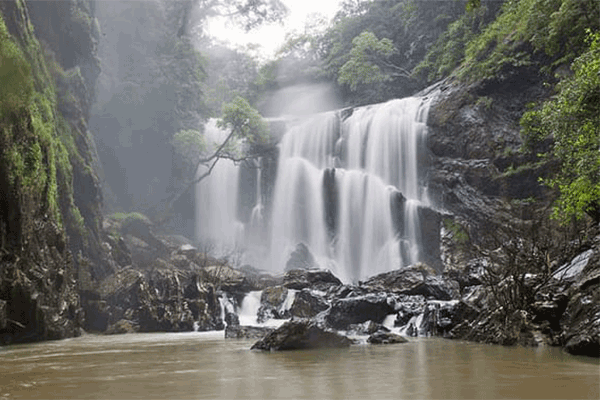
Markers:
(571, 120)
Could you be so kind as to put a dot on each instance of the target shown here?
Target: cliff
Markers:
(50, 196)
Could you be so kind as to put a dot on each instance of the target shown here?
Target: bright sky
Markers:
(270, 37)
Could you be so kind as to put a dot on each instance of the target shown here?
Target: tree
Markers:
(247, 13)
(369, 62)
(571, 120)
(248, 133)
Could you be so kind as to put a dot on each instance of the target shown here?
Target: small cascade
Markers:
(249, 308)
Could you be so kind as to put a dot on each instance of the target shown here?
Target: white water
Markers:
(334, 189)
(217, 226)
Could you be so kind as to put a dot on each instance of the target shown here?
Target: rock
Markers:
(409, 307)
(301, 258)
(272, 301)
(3, 316)
(300, 334)
(366, 328)
(246, 332)
(354, 310)
(315, 279)
(258, 279)
(122, 326)
(232, 319)
(581, 319)
(386, 338)
(307, 304)
(416, 279)
(163, 299)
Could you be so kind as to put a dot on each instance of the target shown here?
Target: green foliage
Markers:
(189, 143)
(458, 232)
(555, 28)
(572, 121)
(127, 218)
(363, 66)
(448, 52)
(15, 74)
(244, 121)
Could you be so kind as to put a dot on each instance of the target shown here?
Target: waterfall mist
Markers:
(349, 185)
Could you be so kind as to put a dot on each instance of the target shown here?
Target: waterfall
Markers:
(217, 226)
(347, 186)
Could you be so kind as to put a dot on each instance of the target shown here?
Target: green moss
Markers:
(15, 75)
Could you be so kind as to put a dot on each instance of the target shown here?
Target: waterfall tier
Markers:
(349, 188)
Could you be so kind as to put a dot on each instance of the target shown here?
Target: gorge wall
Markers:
(50, 194)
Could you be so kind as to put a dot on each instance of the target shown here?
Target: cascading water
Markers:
(217, 225)
(350, 189)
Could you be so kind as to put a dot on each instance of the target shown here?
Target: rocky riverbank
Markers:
(182, 289)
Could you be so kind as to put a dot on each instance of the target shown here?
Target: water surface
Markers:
(201, 365)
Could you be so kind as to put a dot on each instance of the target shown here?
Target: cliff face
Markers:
(49, 197)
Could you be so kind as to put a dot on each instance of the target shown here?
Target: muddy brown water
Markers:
(203, 365)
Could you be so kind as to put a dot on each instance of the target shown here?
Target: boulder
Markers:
(272, 301)
(258, 279)
(122, 326)
(300, 334)
(315, 279)
(385, 338)
(416, 279)
(355, 310)
(407, 308)
(308, 304)
(301, 258)
(366, 328)
(581, 319)
(246, 332)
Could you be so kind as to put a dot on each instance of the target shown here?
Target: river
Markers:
(204, 365)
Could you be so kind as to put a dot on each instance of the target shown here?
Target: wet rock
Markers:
(301, 258)
(417, 279)
(232, 319)
(272, 302)
(258, 279)
(307, 304)
(246, 332)
(3, 317)
(408, 308)
(385, 338)
(155, 300)
(315, 279)
(122, 326)
(581, 319)
(355, 310)
(366, 328)
(300, 334)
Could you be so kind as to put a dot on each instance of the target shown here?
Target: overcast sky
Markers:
(270, 37)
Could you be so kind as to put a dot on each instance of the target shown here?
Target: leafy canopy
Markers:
(243, 121)
(572, 120)
(366, 56)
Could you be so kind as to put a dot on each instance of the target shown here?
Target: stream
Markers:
(204, 365)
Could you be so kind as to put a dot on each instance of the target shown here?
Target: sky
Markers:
(271, 37)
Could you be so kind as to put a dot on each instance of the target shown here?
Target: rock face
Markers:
(300, 334)
(316, 279)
